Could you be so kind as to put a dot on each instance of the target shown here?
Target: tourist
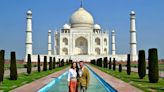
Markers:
(72, 78)
(84, 77)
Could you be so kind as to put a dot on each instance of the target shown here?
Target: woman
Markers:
(72, 78)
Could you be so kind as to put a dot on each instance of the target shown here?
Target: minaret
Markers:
(55, 43)
(49, 43)
(29, 33)
(113, 43)
(133, 41)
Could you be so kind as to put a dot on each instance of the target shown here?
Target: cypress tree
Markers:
(114, 64)
(59, 64)
(110, 63)
(94, 61)
(97, 62)
(50, 63)
(54, 62)
(38, 63)
(105, 62)
(45, 64)
(120, 67)
(29, 64)
(128, 65)
(153, 66)
(141, 64)
(13, 67)
(67, 62)
(2, 60)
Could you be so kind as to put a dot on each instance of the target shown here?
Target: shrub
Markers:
(153, 66)
(45, 64)
(25, 65)
(38, 63)
(110, 63)
(105, 62)
(62, 62)
(29, 64)
(120, 67)
(141, 64)
(2, 60)
(128, 65)
(13, 67)
(114, 64)
(59, 63)
(54, 63)
(50, 63)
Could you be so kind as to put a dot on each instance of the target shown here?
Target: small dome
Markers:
(49, 31)
(81, 18)
(29, 12)
(66, 26)
(113, 31)
(132, 12)
(96, 26)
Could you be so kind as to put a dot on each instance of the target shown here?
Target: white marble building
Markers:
(82, 39)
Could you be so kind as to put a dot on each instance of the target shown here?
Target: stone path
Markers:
(161, 73)
(38, 84)
(118, 84)
(19, 70)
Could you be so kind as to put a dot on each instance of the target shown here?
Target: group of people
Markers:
(78, 77)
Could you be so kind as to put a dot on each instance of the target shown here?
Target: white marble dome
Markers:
(66, 26)
(29, 12)
(81, 18)
(96, 26)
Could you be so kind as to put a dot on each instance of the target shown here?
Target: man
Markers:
(84, 78)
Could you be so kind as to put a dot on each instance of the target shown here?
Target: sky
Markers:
(53, 14)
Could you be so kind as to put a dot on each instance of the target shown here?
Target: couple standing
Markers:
(78, 77)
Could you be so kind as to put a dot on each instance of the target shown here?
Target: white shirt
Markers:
(72, 73)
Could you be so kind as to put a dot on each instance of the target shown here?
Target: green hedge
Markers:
(153, 66)
(141, 64)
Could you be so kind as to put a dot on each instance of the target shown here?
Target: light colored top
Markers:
(72, 74)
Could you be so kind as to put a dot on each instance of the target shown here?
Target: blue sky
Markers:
(53, 14)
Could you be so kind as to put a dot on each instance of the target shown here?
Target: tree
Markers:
(105, 62)
(38, 63)
(50, 63)
(62, 62)
(120, 67)
(59, 63)
(2, 60)
(45, 64)
(13, 67)
(110, 63)
(141, 64)
(54, 63)
(29, 64)
(128, 65)
(114, 64)
(153, 66)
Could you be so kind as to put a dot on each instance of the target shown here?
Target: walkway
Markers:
(38, 84)
(161, 73)
(118, 84)
(19, 70)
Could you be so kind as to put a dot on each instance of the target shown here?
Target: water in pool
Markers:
(62, 85)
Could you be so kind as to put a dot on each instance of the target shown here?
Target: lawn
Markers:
(24, 78)
(134, 80)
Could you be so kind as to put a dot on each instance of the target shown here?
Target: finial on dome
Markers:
(81, 4)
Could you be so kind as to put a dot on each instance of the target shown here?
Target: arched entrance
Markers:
(81, 46)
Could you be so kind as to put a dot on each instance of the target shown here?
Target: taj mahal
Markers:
(82, 39)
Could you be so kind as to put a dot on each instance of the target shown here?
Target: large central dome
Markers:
(81, 18)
